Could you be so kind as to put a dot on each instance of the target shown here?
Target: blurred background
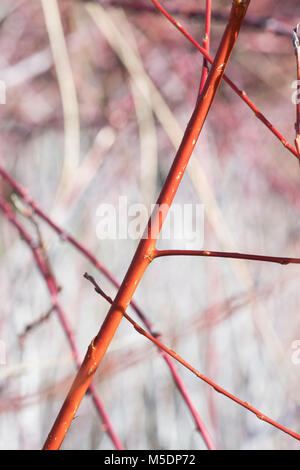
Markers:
(98, 95)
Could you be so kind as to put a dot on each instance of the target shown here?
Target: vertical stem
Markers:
(67, 89)
(206, 45)
(297, 53)
(146, 247)
(199, 423)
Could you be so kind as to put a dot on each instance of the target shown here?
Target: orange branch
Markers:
(143, 255)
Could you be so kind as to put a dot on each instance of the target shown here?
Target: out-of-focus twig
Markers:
(43, 266)
(144, 113)
(32, 326)
(67, 90)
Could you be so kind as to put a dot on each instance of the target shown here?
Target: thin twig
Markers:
(296, 43)
(178, 358)
(206, 44)
(32, 326)
(241, 93)
(226, 254)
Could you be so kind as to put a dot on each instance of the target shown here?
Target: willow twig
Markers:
(226, 254)
(142, 257)
(188, 366)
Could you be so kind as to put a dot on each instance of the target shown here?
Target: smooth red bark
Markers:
(143, 255)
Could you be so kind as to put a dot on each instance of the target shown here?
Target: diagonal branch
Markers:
(142, 257)
(178, 358)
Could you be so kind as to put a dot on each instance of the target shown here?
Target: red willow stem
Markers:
(226, 254)
(53, 291)
(67, 237)
(188, 366)
(241, 93)
(297, 53)
(206, 44)
(142, 257)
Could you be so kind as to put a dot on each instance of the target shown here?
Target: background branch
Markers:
(42, 265)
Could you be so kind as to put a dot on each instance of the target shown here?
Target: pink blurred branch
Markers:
(53, 289)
